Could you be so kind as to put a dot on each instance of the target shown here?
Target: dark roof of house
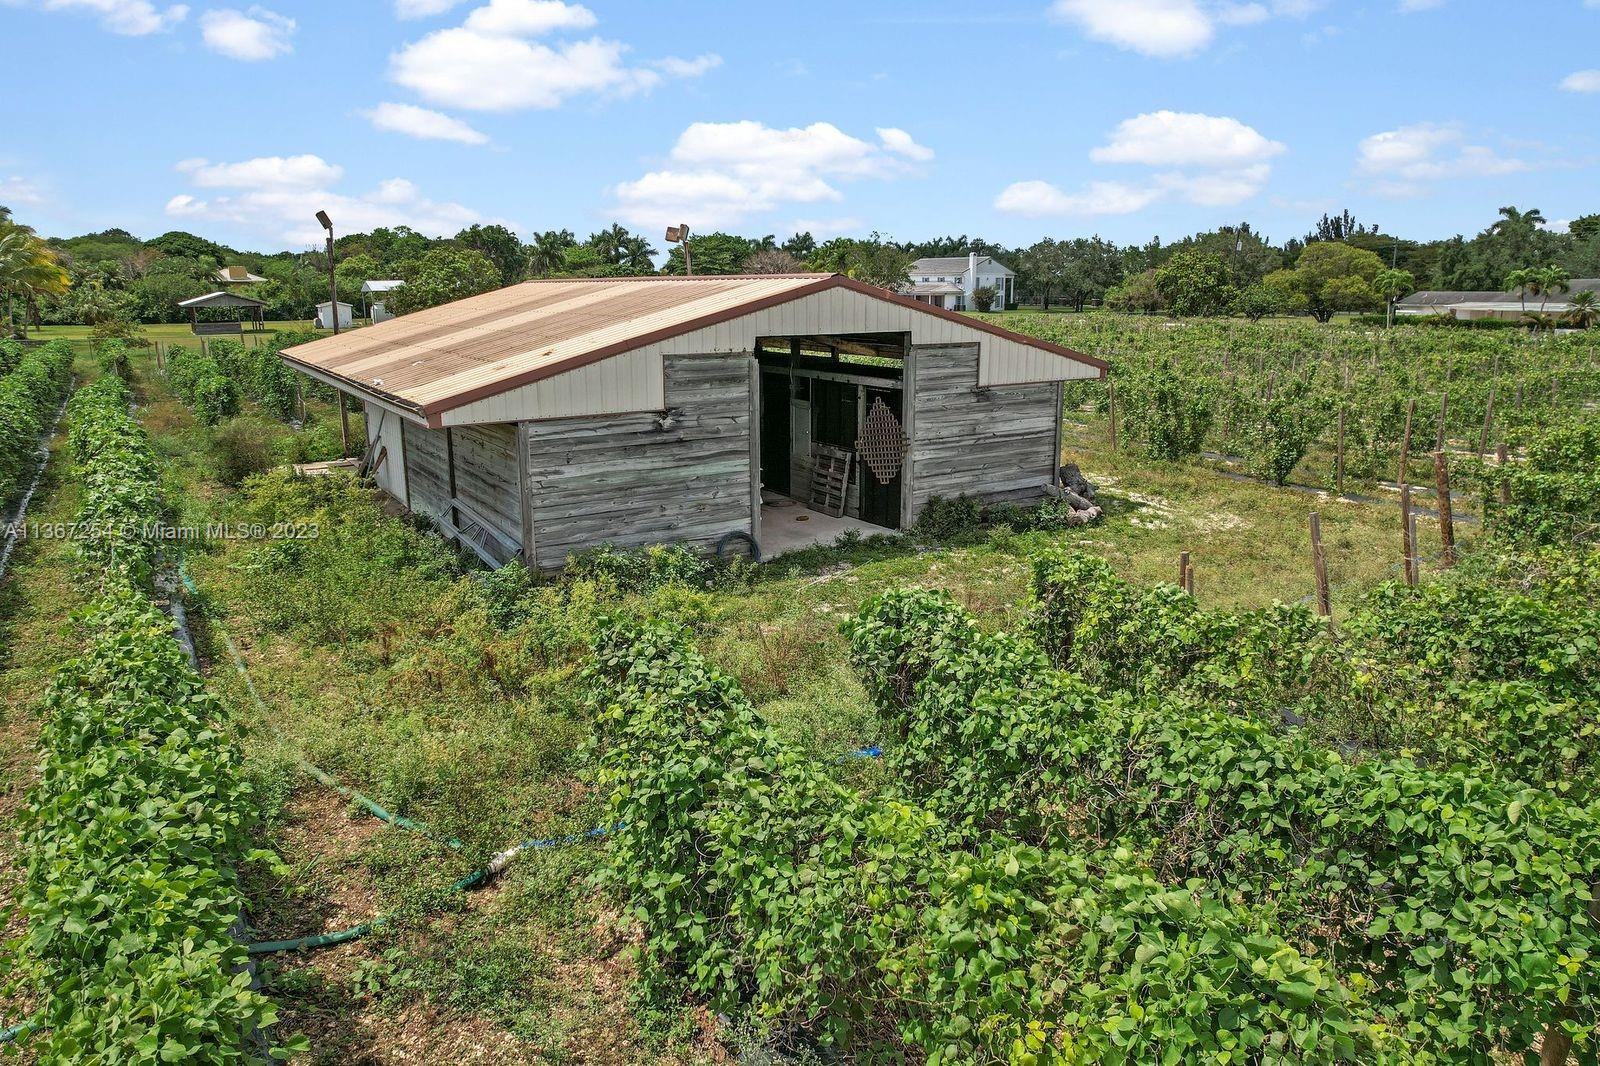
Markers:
(952, 264)
(1447, 298)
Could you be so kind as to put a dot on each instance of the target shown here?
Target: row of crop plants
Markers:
(134, 832)
(1145, 832)
(1274, 393)
(33, 382)
(212, 380)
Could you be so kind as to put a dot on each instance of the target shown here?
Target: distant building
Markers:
(325, 318)
(948, 281)
(237, 275)
(375, 308)
(1507, 305)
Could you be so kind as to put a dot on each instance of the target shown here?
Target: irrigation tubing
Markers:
(14, 526)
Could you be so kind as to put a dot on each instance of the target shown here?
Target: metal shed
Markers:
(553, 416)
(225, 301)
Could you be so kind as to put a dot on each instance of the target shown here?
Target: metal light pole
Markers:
(679, 235)
(333, 313)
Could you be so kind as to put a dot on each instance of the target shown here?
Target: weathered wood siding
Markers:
(993, 443)
(486, 476)
(624, 479)
(427, 471)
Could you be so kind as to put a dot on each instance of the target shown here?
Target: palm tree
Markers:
(28, 268)
(1521, 282)
(1512, 221)
(1585, 310)
(609, 241)
(1393, 284)
(547, 252)
(636, 254)
(1552, 279)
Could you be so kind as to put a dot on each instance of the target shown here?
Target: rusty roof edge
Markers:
(328, 377)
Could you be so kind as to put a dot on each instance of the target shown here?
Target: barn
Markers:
(552, 416)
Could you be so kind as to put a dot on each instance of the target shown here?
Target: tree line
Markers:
(1340, 264)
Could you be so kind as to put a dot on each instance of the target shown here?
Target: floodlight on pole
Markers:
(679, 235)
(333, 313)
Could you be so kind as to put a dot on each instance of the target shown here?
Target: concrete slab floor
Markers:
(789, 525)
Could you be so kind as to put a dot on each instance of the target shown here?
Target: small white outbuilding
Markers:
(374, 292)
(325, 317)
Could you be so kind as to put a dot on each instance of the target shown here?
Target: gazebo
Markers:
(224, 300)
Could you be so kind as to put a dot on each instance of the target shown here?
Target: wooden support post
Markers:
(1488, 422)
(1338, 458)
(1408, 528)
(1183, 570)
(344, 427)
(1444, 411)
(1111, 396)
(1447, 529)
(1416, 557)
(1501, 458)
(1405, 445)
(1319, 565)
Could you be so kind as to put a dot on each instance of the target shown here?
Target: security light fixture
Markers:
(327, 223)
(679, 235)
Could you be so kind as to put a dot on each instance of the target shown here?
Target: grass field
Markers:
(377, 659)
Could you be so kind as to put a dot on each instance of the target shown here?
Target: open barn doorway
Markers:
(832, 439)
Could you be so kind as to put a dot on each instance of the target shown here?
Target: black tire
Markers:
(729, 539)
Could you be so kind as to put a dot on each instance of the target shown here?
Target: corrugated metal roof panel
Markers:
(434, 360)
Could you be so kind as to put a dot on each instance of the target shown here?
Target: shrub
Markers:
(200, 382)
(246, 445)
(1168, 412)
(34, 382)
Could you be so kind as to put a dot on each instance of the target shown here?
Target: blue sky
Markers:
(1008, 120)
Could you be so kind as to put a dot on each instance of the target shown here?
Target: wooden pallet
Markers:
(830, 478)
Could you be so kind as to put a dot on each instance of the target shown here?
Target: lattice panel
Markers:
(882, 444)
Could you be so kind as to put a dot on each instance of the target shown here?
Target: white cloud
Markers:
(674, 67)
(1162, 28)
(1173, 138)
(1583, 81)
(492, 61)
(420, 9)
(1403, 160)
(720, 173)
(17, 190)
(251, 36)
(281, 195)
(1224, 162)
(423, 124)
(1037, 199)
(289, 172)
(528, 18)
(1171, 28)
(899, 142)
(132, 18)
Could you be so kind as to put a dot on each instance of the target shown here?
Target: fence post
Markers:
(1444, 409)
(1319, 565)
(1111, 394)
(1183, 570)
(1501, 458)
(1447, 529)
(1405, 443)
(1488, 422)
(1338, 458)
(1408, 528)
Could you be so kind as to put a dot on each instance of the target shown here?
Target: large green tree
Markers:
(874, 259)
(1330, 277)
(501, 247)
(1194, 282)
(442, 275)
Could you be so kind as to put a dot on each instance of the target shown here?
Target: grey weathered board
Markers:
(486, 475)
(627, 480)
(993, 443)
(427, 477)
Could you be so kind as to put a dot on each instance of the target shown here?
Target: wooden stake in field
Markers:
(1338, 458)
(1408, 529)
(1416, 558)
(1501, 458)
(1319, 567)
(1183, 570)
(1444, 411)
(1488, 422)
(1447, 529)
(1111, 399)
(1405, 444)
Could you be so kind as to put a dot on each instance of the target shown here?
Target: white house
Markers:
(375, 308)
(948, 280)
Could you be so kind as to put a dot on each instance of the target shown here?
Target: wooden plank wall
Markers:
(627, 480)
(427, 472)
(486, 475)
(994, 443)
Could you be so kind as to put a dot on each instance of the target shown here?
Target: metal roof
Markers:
(953, 264)
(441, 358)
(237, 275)
(1447, 298)
(933, 288)
(381, 286)
(222, 299)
